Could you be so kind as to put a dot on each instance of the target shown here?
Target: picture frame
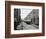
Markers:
(8, 11)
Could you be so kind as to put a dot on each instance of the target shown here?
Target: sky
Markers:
(25, 12)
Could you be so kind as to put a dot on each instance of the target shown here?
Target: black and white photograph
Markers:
(26, 19)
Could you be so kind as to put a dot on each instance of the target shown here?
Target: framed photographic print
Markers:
(24, 19)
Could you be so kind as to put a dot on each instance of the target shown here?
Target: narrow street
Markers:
(26, 26)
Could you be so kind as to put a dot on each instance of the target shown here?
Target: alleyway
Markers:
(26, 26)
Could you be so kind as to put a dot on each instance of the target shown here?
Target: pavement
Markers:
(25, 26)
